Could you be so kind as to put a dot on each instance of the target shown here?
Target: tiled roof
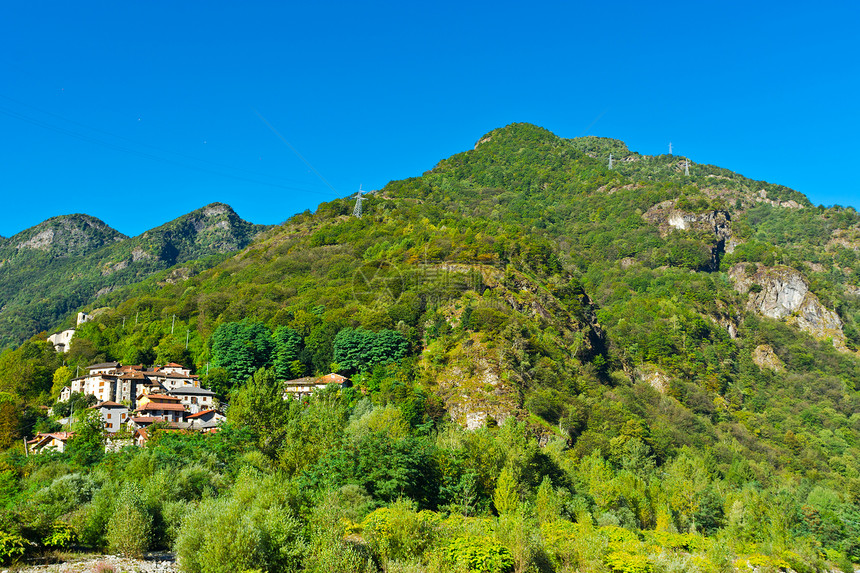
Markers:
(106, 404)
(146, 419)
(62, 436)
(155, 407)
(189, 390)
(163, 398)
(103, 365)
(202, 413)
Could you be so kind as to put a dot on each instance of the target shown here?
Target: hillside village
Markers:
(131, 398)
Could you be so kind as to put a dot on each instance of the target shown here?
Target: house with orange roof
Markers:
(55, 441)
(205, 419)
(301, 387)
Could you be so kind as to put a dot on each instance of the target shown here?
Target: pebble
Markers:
(154, 563)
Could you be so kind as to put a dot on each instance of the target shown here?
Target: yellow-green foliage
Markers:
(625, 562)
(506, 497)
(480, 554)
(11, 547)
(760, 561)
(398, 532)
(672, 540)
(62, 535)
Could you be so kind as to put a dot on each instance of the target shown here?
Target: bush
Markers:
(252, 529)
(130, 526)
(480, 554)
(398, 532)
(62, 535)
(11, 547)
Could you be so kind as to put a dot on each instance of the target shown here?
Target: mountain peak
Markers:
(66, 235)
(518, 132)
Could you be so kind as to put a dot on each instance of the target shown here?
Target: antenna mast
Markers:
(357, 211)
(670, 148)
(610, 161)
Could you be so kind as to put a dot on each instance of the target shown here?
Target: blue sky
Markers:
(137, 111)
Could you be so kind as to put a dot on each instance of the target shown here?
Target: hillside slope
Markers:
(684, 348)
(57, 266)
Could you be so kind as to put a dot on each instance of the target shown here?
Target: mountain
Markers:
(49, 270)
(525, 273)
(680, 339)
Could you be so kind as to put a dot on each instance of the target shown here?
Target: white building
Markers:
(114, 415)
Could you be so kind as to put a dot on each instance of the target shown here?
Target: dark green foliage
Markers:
(241, 348)
(359, 349)
(287, 352)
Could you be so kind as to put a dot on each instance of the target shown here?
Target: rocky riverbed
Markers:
(152, 563)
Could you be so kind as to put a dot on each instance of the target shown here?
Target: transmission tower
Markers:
(610, 161)
(357, 211)
(670, 148)
(686, 167)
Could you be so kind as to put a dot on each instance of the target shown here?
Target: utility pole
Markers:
(357, 211)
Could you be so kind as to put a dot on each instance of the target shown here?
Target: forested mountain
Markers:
(51, 269)
(557, 366)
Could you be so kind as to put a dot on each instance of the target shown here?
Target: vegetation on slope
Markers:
(517, 289)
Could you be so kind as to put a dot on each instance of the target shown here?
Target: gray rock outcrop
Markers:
(782, 293)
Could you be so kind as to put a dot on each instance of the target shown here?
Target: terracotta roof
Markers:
(163, 398)
(106, 404)
(146, 419)
(154, 406)
(202, 413)
(173, 365)
(332, 379)
(62, 436)
(133, 375)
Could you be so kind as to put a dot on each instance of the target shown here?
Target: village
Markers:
(131, 399)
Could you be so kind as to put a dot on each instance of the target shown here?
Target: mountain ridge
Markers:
(56, 266)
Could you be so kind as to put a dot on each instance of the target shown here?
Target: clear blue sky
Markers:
(138, 111)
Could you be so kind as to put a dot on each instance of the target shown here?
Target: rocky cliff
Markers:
(782, 293)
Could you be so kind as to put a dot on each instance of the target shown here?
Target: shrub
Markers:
(398, 532)
(480, 554)
(11, 547)
(130, 526)
(625, 562)
(62, 535)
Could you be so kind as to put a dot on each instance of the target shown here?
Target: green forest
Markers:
(555, 367)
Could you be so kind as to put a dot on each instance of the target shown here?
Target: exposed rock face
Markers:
(782, 293)
(764, 357)
(473, 389)
(668, 217)
(650, 374)
(67, 235)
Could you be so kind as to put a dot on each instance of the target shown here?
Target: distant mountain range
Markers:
(51, 269)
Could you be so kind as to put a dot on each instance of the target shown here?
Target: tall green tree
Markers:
(241, 348)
